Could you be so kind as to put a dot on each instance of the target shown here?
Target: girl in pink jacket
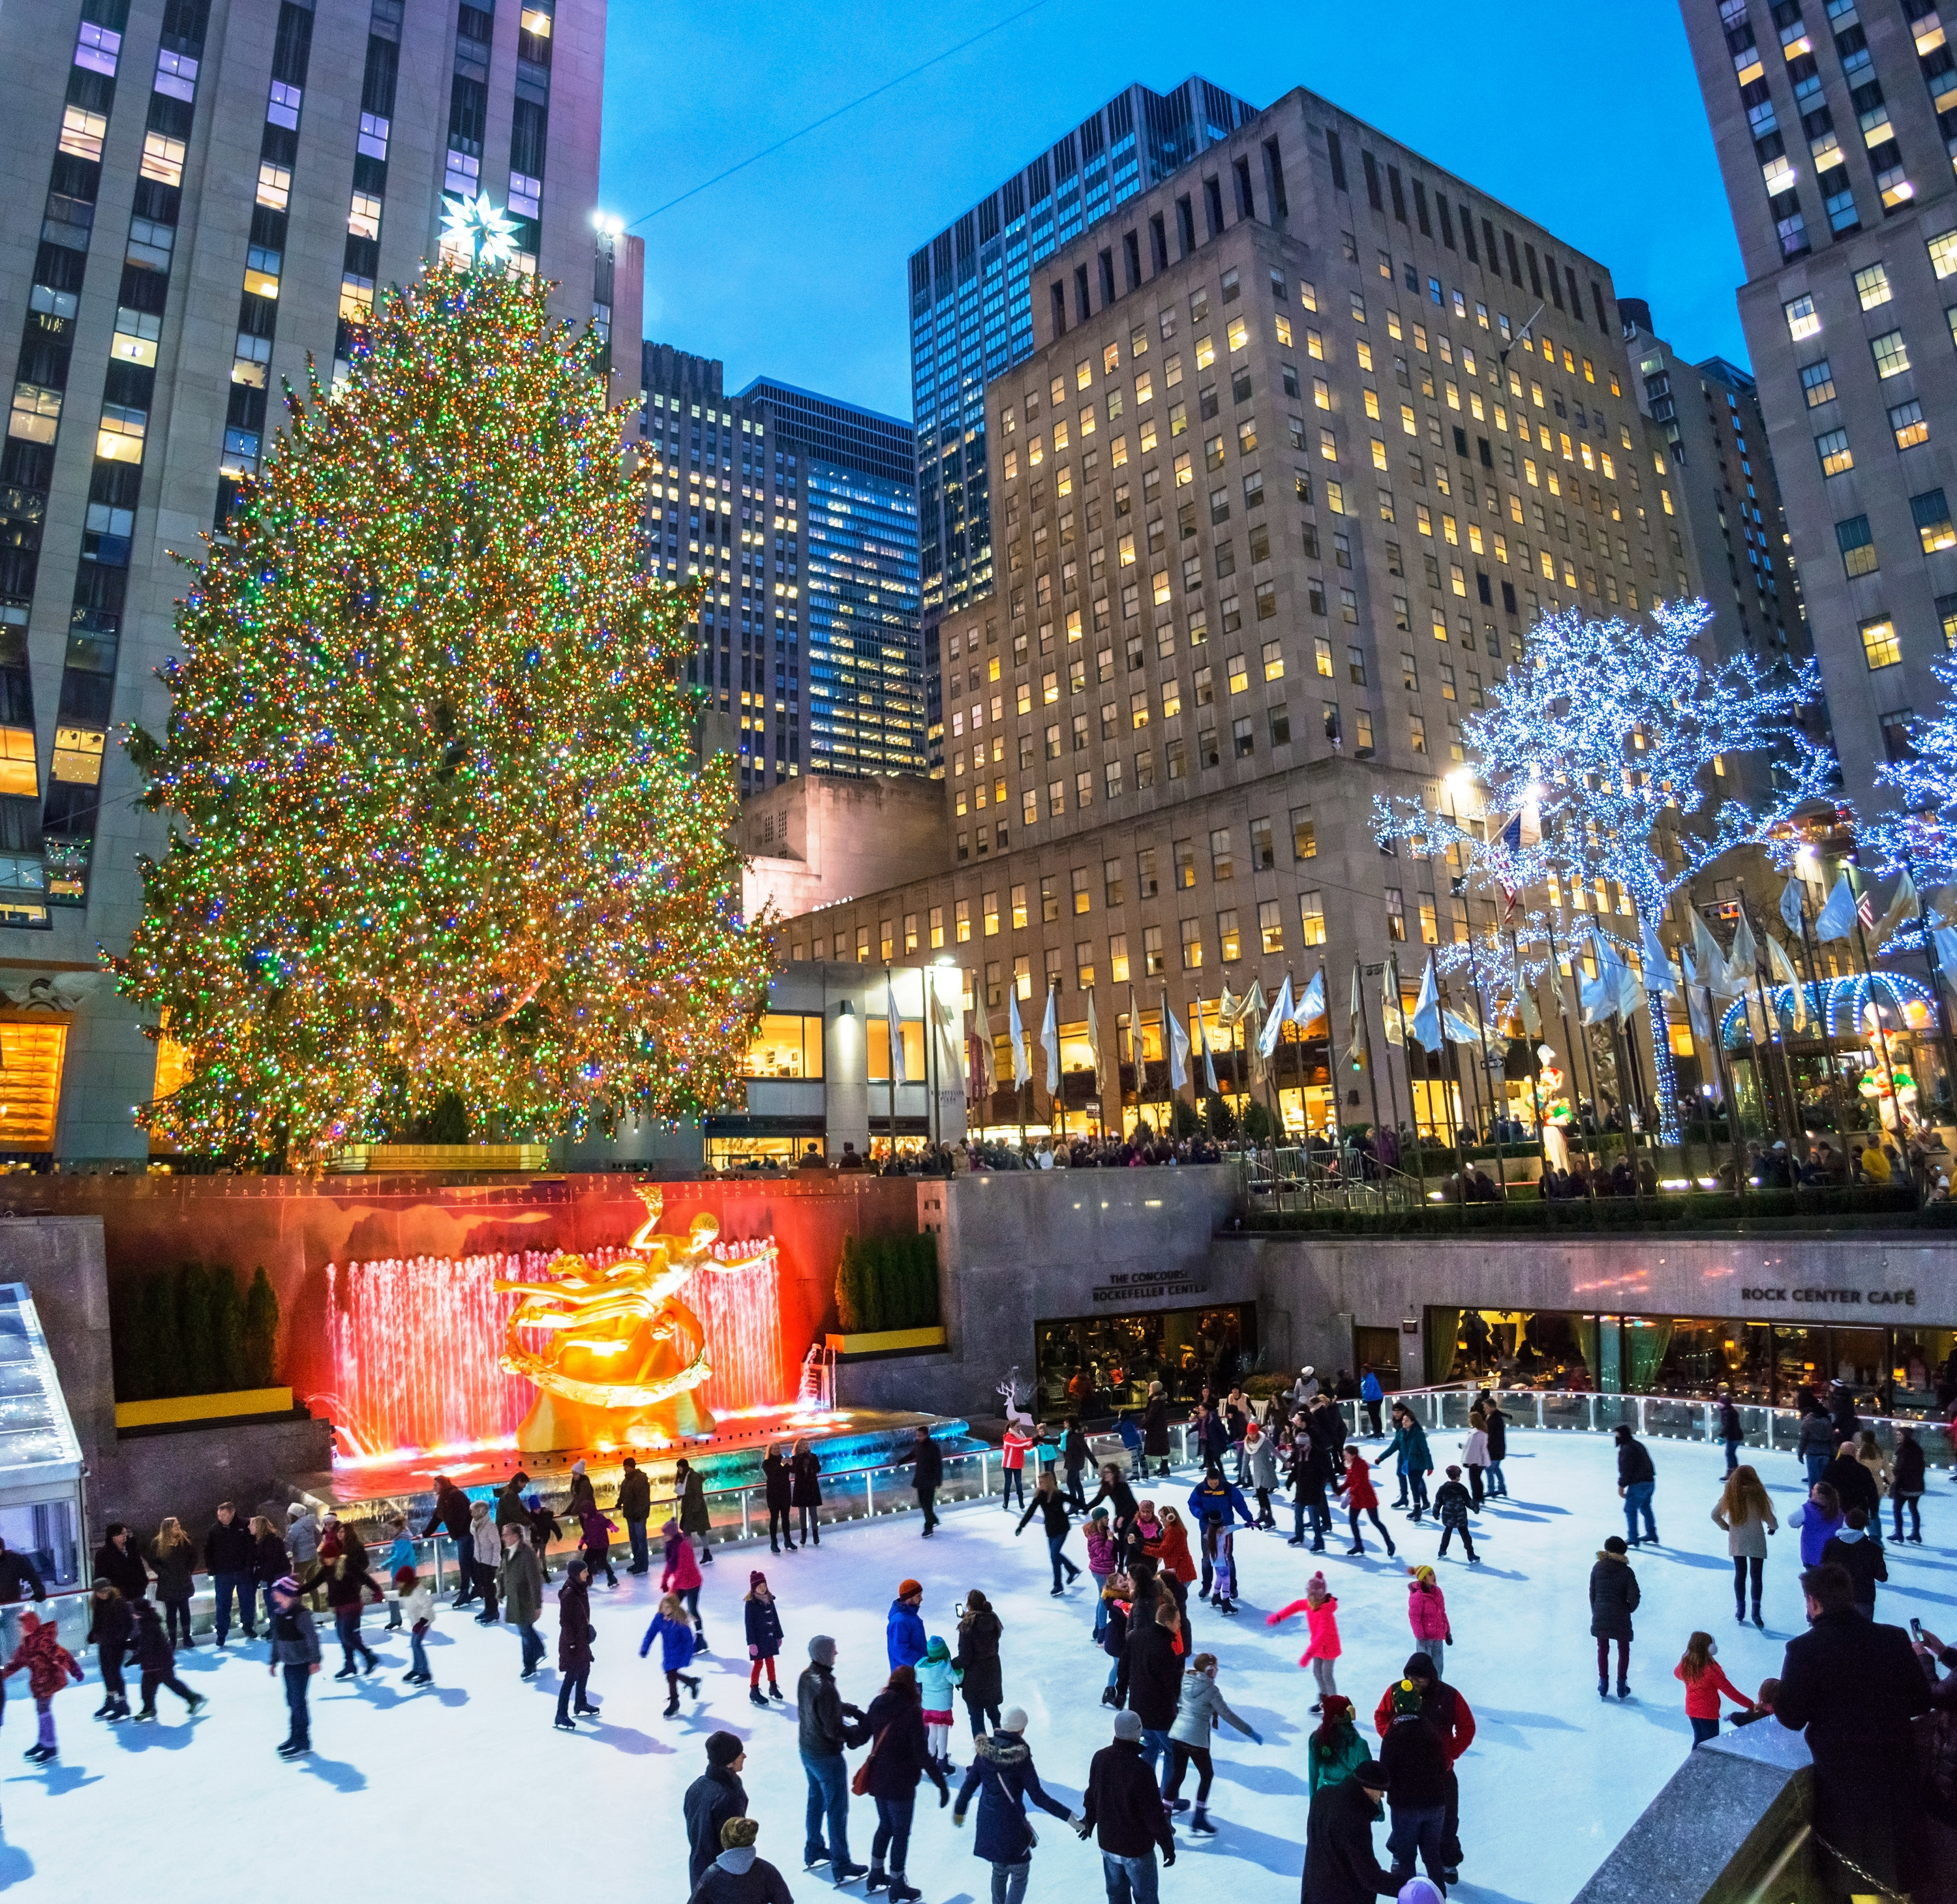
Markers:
(1427, 1613)
(1321, 1617)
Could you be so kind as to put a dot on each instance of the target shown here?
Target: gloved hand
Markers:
(1081, 1827)
(1168, 1857)
(1270, 1620)
(753, 1653)
(958, 1817)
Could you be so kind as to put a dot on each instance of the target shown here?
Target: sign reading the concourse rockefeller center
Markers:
(1145, 1285)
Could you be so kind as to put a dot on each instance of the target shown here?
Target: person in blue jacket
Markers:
(1370, 1395)
(1409, 1443)
(1002, 1773)
(1213, 1501)
(674, 1631)
(904, 1637)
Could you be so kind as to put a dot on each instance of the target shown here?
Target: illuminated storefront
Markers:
(1095, 1365)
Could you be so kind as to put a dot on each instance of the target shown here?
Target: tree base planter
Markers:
(879, 1343)
(436, 1159)
(193, 1411)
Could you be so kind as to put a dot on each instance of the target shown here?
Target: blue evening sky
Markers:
(1587, 119)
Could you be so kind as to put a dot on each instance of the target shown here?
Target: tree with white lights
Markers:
(1923, 836)
(1596, 768)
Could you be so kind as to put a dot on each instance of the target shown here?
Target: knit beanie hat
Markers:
(1127, 1725)
(1418, 1891)
(822, 1650)
(737, 1834)
(757, 1579)
(1422, 1574)
(906, 1588)
(723, 1748)
(1406, 1698)
(1014, 1719)
(936, 1651)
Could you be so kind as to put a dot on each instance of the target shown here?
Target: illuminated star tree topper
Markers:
(1597, 765)
(436, 824)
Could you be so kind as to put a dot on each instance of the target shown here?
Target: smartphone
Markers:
(1915, 1627)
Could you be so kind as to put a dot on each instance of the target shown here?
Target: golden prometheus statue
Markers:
(628, 1356)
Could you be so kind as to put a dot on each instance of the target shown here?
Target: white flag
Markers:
(1702, 1024)
(1793, 897)
(1525, 1003)
(1094, 1040)
(1945, 938)
(1356, 1042)
(1783, 973)
(1135, 1045)
(1050, 1041)
(1392, 1014)
(1022, 1068)
(1745, 959)
(1203, 1049)
(1425, 1025)
(1276, 1020)
(985, 1080)
(1179, 1045)
(944, 1028)
(1311, 1005)
(1710, 962)
(1836, 919)
(1659, 976)
(896, 1028)
(1598, 996)
(1902, 910)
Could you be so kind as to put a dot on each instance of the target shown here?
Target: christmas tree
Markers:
(437, 827)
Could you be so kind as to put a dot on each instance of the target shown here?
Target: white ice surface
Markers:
(467, 1785)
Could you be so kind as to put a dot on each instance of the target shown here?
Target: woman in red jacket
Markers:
(1705, 1680)
(1170, 1550)
(1360, 1499)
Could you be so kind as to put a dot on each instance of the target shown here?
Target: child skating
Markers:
(1452, 1505)
(416, 1602)
(1360, 1499)
(674, 1631)
(1427, 1613)
(49, 1666)
(936, 1678)
(1322, 1648)
(764, 1638)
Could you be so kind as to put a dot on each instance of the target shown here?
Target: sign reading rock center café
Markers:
(1832, 1298)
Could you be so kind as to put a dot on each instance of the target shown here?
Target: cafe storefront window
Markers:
(1906, 1371)
(1094, 1364)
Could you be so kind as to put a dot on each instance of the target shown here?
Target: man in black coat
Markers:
(1124, 1805)
(714, 1798)
(635, 1507)
(1855, 1487)
(927, 1476)
(1855, 1686)
(118, 1562)
(18, 1576)
(1155, 1677)
(228, 1555)
(1339, 1865)
(451, 1515)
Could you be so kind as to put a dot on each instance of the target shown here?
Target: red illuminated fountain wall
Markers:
(416, 1344)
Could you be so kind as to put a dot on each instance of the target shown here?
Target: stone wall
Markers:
(188, 1471)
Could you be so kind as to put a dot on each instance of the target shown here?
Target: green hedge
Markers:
(887, 1282)
(189, 1331)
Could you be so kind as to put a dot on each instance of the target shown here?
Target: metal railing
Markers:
(1676, 1418)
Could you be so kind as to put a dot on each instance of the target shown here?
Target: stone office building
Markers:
(1309, 437)
(201, 199)
(1834, 127)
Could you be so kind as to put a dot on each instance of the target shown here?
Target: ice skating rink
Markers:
(466, 1784)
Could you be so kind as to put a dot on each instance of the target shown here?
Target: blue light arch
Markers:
(1838, 1004)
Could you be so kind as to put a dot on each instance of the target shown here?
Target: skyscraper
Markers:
(808, 636)
(1835, 133)
(203, 199)
(1213, 640)
(972, 315)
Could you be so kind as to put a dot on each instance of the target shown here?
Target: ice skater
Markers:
(1051, 1505)
(671, 1628)
(1322, 1648)
(111, 1628)
(1745, 1515)
(763, 1622)
(417, 1601)
(1200, 1710)
(1409, 1446)
(348, 1582)
(680, 1576)
(49, 1666)
(575, 1633)
(1705, 1679)
(1360, 1499)
(1613, 1598)
(155, 1657)
(296, 1654)
(937, 1677)
(1427, 1613)
(1452, 1505)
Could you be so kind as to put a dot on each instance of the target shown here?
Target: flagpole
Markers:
(1475, 1094)
(1413, 1109)
(1338, 1131)
(1881, 1038)
(894, 1028)
(1938, 978)
(1788, 1101)
(1684, 1148)
(1372, 1072)
(1569, 1045)
(1393, 1090)
(1619, 1042)
(1723, 1074)
(1811, 956)
(1536, 1106)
